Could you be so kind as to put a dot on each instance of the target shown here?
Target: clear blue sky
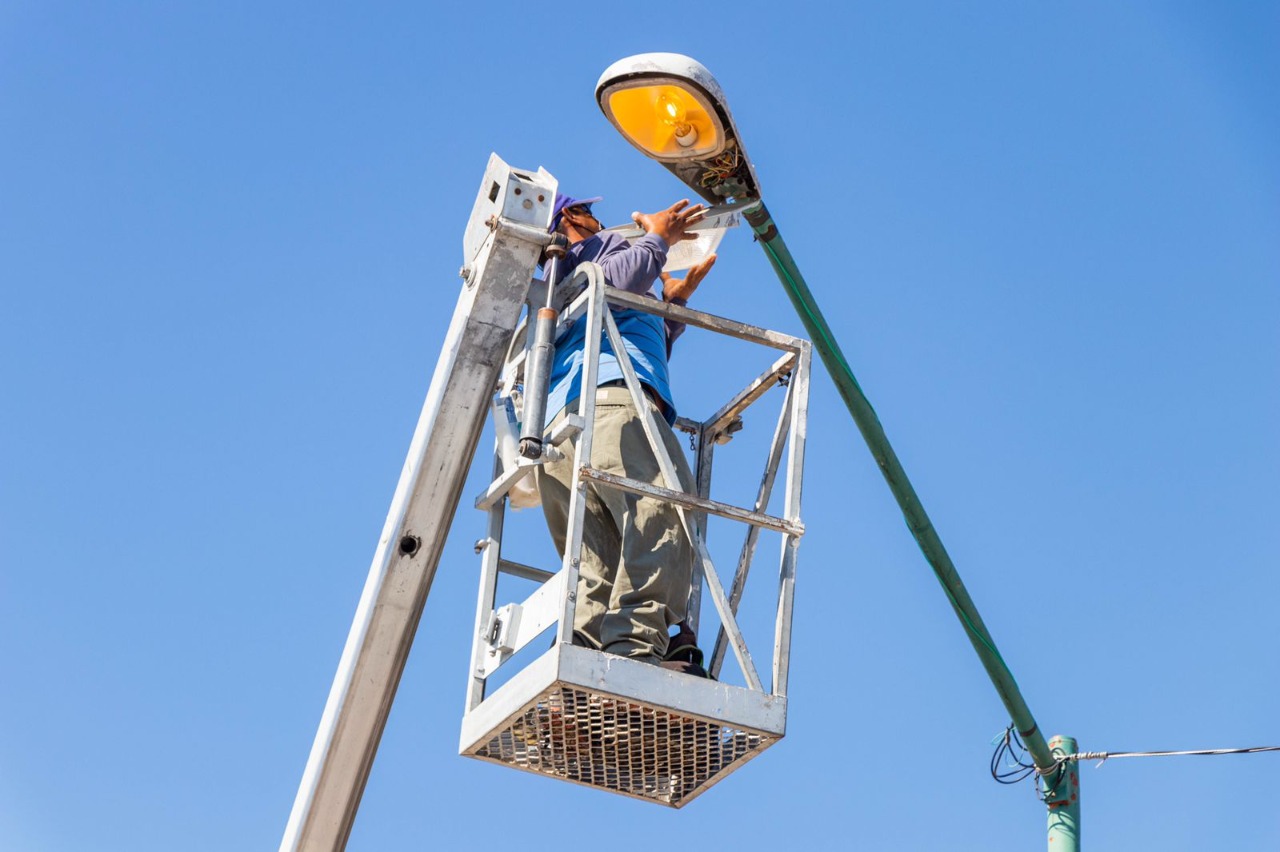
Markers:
(1047, 236)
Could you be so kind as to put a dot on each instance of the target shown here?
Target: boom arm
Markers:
(504, 239)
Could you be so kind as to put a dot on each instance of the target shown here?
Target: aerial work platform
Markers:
(569, 713)
(609, 722)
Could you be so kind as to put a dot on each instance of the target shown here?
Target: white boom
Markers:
(504, 238)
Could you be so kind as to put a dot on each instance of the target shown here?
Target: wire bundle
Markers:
(1011, 762)
(722, 167)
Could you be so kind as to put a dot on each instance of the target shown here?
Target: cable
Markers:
(1008, 764)
(722, 168)
(1104, 756)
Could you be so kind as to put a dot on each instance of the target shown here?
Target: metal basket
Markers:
(623, 726)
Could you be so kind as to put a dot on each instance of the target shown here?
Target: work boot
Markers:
(685, 667)
(684, 655)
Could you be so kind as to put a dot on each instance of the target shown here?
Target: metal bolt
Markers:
(481, 544)
(464, 273)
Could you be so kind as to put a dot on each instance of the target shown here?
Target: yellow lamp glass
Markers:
(666, 121)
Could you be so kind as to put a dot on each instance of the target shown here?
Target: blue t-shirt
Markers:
(643, 337)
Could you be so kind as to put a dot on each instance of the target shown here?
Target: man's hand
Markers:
(682, 288)
(670, 224)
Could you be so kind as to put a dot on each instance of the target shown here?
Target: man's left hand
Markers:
(682, 288)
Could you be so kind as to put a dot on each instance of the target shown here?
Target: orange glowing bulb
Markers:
(674, 114)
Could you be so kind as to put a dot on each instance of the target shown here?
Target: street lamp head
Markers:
(672, 109)
(664, 104)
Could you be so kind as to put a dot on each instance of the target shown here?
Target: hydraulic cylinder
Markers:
(537, 378)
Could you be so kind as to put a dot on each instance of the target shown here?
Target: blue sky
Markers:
(1046, 236)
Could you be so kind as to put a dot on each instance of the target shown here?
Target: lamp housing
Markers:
(671, 108)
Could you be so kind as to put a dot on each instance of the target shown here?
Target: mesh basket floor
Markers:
(621, 746)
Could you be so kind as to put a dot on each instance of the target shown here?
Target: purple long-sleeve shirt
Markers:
(632, 267)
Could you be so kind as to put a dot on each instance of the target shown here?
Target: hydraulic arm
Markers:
(504, 239)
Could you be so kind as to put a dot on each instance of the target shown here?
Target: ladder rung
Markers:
(524, 572)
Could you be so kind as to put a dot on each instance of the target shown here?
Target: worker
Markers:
(636, 562)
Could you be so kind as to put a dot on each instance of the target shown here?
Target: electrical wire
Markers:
(721, 168)
(1009, 764)
(1104, 756)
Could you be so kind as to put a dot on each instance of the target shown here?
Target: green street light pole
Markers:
(671, 108)
(1060, 784)
(1062, 796)
(912, 509)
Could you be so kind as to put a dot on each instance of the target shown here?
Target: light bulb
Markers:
(673, 113)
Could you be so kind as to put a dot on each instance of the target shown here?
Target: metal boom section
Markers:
(507, 232)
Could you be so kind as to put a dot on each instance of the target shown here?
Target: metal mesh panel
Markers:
(636, 749)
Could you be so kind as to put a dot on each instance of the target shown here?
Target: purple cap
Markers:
(563, 201)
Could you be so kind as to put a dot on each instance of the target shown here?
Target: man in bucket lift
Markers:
(636, 564)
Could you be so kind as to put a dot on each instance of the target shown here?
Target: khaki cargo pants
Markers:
(636, 562)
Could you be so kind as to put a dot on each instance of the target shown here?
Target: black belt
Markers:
(649, 392)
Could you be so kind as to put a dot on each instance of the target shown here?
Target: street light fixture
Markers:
(672, 109)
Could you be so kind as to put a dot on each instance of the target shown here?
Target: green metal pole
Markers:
(912, 509)
(1062, 795)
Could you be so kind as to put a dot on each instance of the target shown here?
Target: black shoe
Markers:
(684, 655)
(685, 667)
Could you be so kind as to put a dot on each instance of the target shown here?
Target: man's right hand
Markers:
(670, 224)
(682, 288)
